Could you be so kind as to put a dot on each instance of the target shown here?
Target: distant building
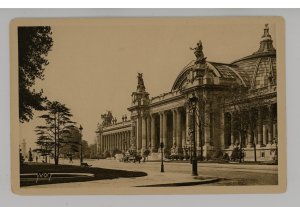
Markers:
(166, 118)
(24, 148)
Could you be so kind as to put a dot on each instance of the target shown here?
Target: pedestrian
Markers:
(36, 159)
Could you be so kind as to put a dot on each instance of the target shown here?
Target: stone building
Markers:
(236, 109)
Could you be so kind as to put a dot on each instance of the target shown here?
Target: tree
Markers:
(44, 142)
(86, 151)
(34, 43)
(21, 157)
(93, 149)
(71, 142)
(244, 104)
(58, 126)
(30, 158)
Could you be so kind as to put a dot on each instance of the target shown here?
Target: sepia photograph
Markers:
(148, 105)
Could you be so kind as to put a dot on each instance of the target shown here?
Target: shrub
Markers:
(226, 157)
(146, 153)
(235, 155)
(174, 157)
(187, 156)
(106, 154)
(218, 154)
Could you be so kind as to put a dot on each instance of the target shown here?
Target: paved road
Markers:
(231, 174)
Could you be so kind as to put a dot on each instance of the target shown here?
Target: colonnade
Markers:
(262, 133)
(170, 127)
(115, 140)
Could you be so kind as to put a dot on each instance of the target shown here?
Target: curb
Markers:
(191, 183)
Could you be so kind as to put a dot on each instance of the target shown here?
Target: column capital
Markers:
(151, 115)
(163, 112)
(178, 109)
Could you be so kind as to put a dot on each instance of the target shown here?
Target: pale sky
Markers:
(93, 68)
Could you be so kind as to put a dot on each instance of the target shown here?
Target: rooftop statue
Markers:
(198, 51)
(140, 86)
(107, 118)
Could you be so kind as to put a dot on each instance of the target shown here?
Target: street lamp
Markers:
(162, 157)
(81, 157)
(276, 152)
(193, 100)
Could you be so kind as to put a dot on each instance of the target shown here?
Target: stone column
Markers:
(187, 125)
(114, 141)
(178, 132)
(265, 134)
(160, 127)
(259, 128)
(99, 145)
(132, 138)
(128, 139)
(117, 140)
(139, 134)
(222, 128)
(108, 141)
(232, 140)
(103, 141)
(124, 141)
(275, 134)
(249, 137)
(153, 138)
(207, 124)
(144, 133)
(121, 141)
(270, 125)
(174, 125)
(165, 130)
(148, 132)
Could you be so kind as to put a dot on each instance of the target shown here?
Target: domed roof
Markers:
(218, 70)
(260, 67)
(253, 71)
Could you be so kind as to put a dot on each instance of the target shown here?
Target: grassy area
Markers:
(99, 173)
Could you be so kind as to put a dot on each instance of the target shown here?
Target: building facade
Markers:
(236, 109)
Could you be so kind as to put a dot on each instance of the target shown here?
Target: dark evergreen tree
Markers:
(58, 126)
(34, 43)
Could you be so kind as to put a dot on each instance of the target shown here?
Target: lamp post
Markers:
(162, 157)
(276, 152)
(193, 100)
(81, 157)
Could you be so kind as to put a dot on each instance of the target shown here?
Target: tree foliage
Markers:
(71, 142)
(34, 43)
(57, 128)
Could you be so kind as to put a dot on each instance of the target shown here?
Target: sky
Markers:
(93, 66)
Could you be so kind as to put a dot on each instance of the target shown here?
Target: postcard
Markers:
(174, 105)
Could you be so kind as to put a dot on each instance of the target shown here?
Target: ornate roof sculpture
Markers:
(260, 67)
(254, 71)
(140, 97)
(198, 51)
(141, 86)
(266, 44)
